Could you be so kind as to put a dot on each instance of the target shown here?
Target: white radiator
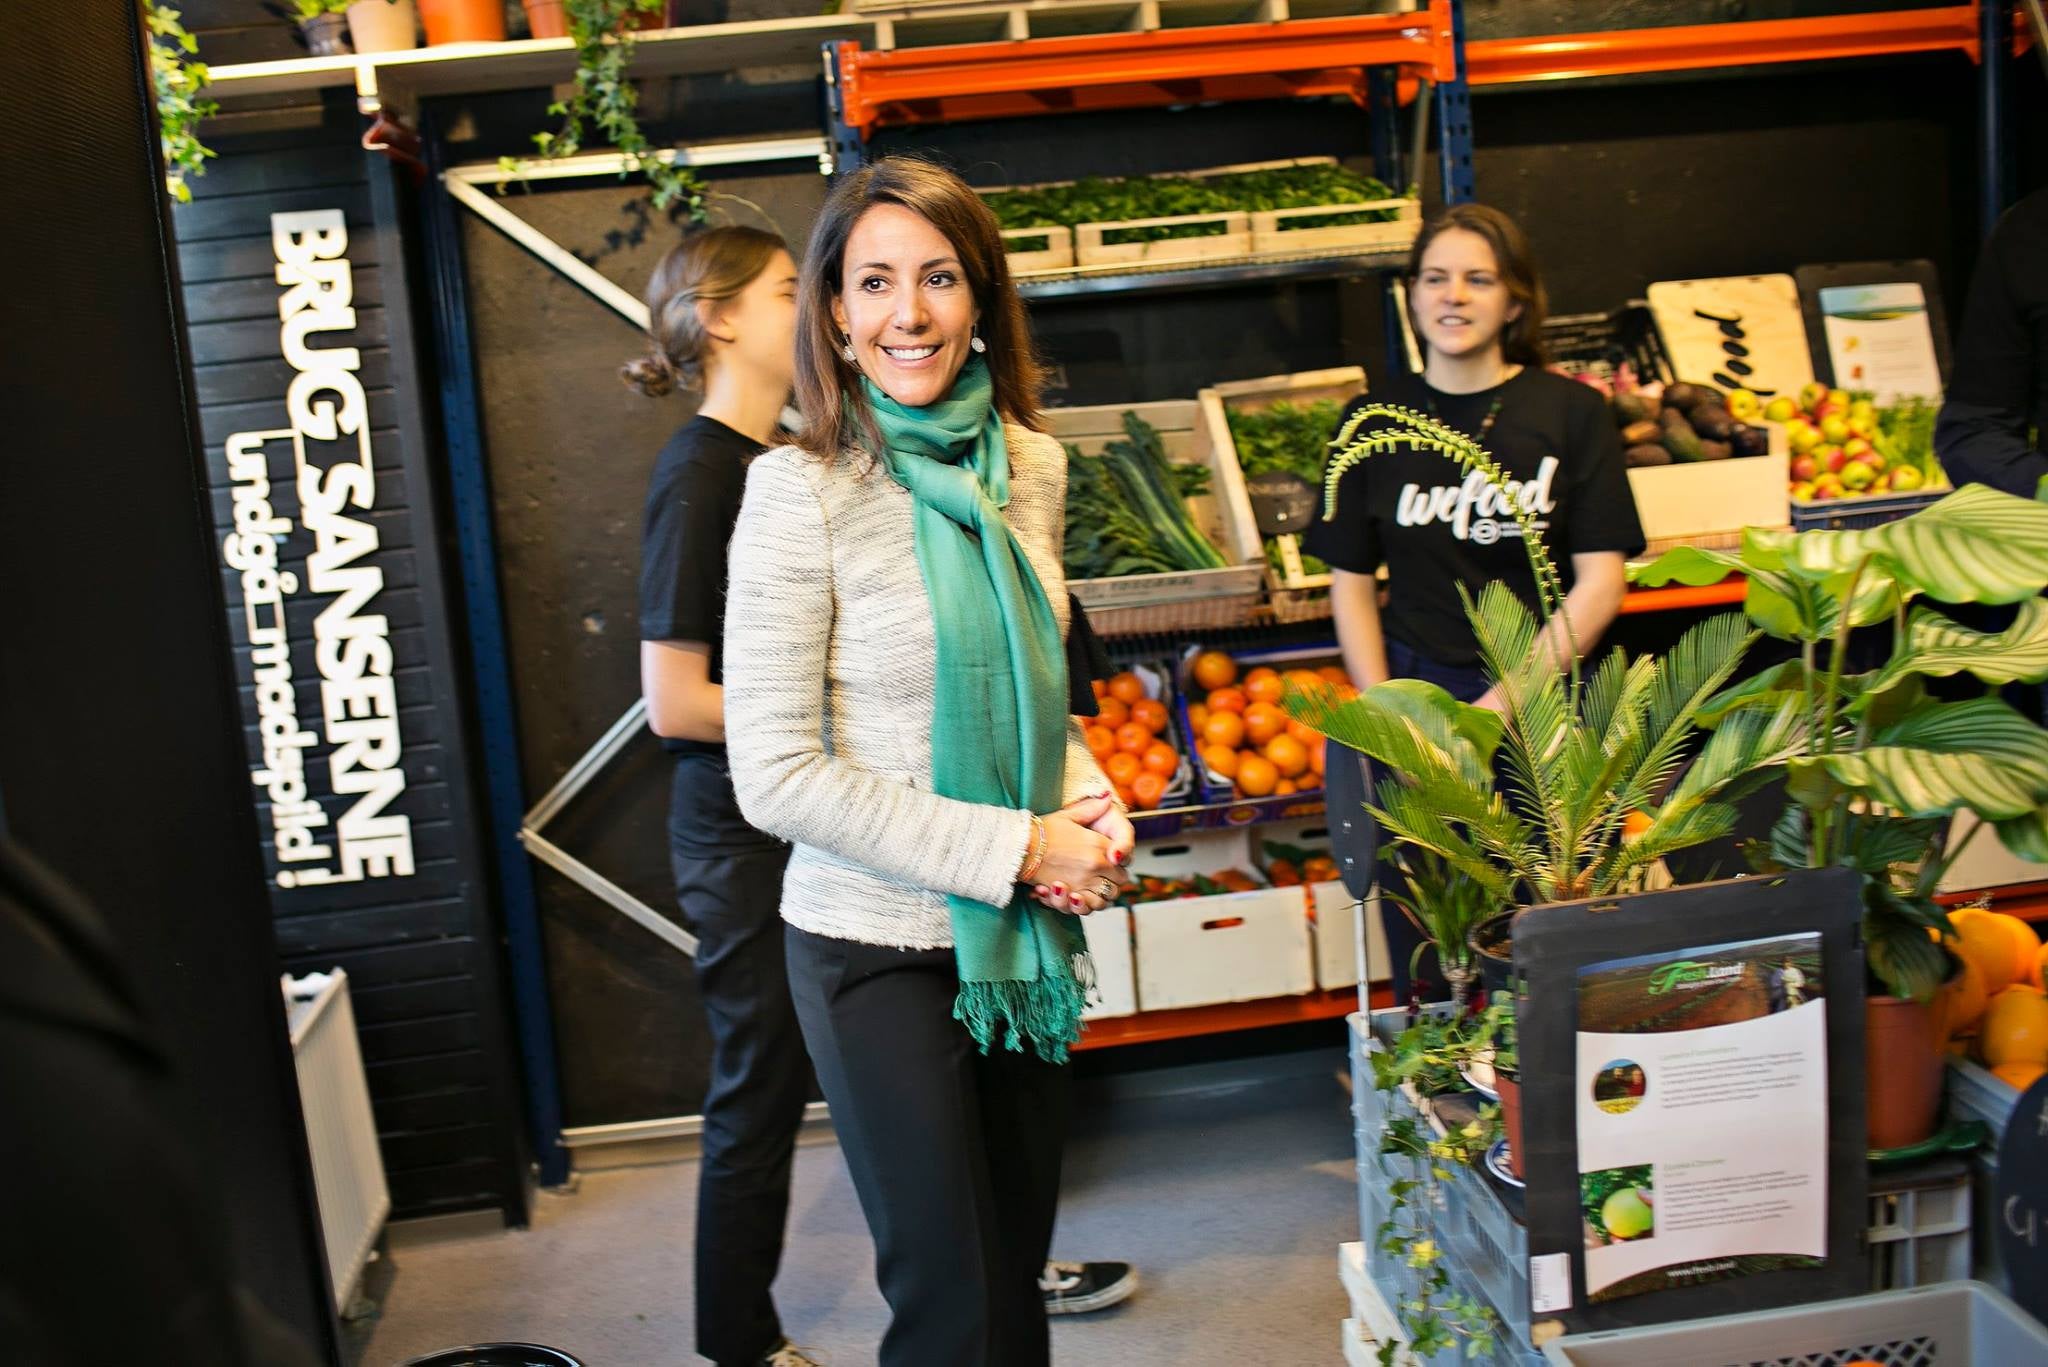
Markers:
(348, 1171)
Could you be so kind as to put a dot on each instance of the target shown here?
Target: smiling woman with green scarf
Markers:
(896, 704)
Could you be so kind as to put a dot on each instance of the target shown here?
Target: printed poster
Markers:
(1879, 339)
(1702, 1113)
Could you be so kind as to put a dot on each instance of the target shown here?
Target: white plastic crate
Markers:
(1234, 947)
(1920, 1226)
(1116, 973)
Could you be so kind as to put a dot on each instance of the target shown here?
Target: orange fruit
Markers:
(2041, 967)
(1284, 788)
(1221, 760)
(1288, 755)
(1995, 950)
(1263, 685)
(1132, 738)
(1101, 742)
(1318, 750)
(1262, 722)
(1124, 796)
(1256, 776)
(1146, 790)
(1635, 823)
(2026, 942)
(2015, 1028)
(1303, 732)
(1306, 679)
(1959, 1003)
(1213, 670)
(1112, 712)
(1127, 688)
(1160, 758)
(1198, 716)
(1123, 768)
(2019, 1076)
(1227, 700)
(1101, 689)
(1308, 783)
(1224, 728)
(1149, 713)
(1334, 674)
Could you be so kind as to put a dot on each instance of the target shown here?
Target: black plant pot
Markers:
(327, 35)
(1493, 952)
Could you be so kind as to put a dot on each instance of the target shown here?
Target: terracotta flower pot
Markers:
(463, 21)
(326, 35)
(1509, 1085)
(545, 18)
(1902, 1072)
(383, 25)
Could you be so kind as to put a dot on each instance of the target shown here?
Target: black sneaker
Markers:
(1077, 1288)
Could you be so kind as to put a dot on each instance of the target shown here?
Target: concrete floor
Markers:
(1229, 1185)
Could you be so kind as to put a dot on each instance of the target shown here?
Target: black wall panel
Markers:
(420, 947)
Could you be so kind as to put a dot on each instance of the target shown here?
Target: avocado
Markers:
(1679, 438)
(1630, 409)
(1640, 433)
(1748, 440)
(1647, 454)
(1686, 397)
(1715, 450)
(1712, 421)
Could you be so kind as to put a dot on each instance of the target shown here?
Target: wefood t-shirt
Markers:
(1436, 527)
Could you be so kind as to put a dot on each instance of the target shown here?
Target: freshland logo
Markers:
(1688, 976)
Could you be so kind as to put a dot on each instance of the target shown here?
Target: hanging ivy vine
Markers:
(180, 108)
(603, 102)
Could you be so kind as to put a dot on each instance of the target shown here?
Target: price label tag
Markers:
(1282, 503)
(2022, 1199)
(1550, 1283)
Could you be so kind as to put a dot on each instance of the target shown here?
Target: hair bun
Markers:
(653, 375)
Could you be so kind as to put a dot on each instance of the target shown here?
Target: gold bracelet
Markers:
(1039, 840)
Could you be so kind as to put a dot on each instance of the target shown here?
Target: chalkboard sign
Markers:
(1281, 502)
(2022, 1200)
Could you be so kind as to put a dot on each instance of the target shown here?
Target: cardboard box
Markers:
(1116, 973)
(1201, 951)
(1708, 502)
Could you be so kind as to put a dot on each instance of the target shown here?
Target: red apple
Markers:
(1805, 468)
(1831, 458)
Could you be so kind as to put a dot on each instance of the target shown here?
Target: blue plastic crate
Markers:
(1852, 514)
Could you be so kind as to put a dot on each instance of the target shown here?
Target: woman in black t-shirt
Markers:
(722, 308)
(1477, 307)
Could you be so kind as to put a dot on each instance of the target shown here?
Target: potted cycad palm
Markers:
(1883, 765)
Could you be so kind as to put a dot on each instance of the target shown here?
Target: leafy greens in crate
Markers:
(1097, 200)
(1289, 437)
(1127, 510)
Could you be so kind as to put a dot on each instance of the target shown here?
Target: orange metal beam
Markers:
(1150, 1027)
(1124, 70)
(1730, 590)
(1695, 47)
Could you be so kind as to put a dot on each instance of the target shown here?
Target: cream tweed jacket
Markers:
(830, 661)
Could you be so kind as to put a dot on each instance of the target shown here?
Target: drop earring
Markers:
(847, 352)
(979, 347)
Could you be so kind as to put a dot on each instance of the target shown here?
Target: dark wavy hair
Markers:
(828, 390)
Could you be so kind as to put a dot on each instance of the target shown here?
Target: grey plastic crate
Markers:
(1977, 1093)
(1920, 1226)
(1956, 1324)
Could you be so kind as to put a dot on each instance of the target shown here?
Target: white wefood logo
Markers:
(1475, 509)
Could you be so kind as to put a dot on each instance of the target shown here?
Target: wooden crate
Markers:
(1246, 236)
(1344, 383)
(1707, 503)
(1271, 234)
(1056, 255)
(1233, 243)
(1188, 599)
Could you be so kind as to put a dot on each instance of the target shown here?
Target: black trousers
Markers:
(955, 1154)
(760, 1080)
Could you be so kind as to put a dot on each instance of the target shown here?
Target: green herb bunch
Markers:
(1096, 200)
(179, 106)
(1289, 437)
(605, 97)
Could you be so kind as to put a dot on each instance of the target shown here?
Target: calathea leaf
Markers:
(1976, 545)
(2026, 836)
(1939, 647)
(1978, 754)
(1908, 961)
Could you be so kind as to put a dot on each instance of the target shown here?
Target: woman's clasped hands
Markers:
(1087, 846)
